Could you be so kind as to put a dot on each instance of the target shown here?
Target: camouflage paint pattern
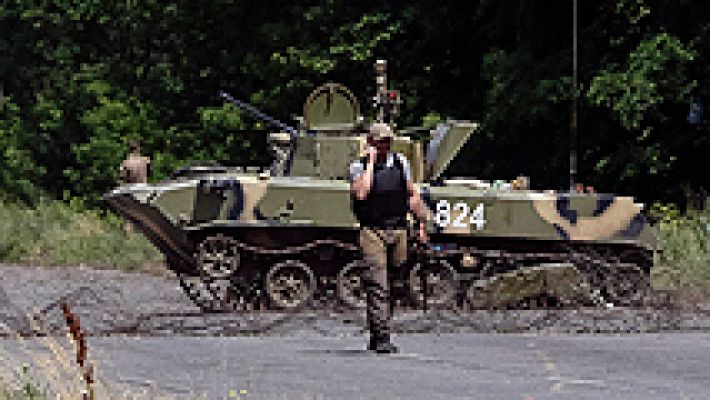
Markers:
(240, 200)
(315, 193)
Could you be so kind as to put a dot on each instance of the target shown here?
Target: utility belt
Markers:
(388, 223)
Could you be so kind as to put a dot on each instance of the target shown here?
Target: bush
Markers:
(57, 233)
(685, 245)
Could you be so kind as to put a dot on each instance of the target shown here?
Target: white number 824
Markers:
(445, 211)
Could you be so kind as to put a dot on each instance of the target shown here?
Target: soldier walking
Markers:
(382, 194)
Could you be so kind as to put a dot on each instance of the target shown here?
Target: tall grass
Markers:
(684, 261)
(57, 233)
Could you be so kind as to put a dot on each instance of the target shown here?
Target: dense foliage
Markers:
(79, 79)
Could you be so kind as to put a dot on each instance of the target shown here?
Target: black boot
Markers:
(375, 339)
(382, 344)
(378, 314)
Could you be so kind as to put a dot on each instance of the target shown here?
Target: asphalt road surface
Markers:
(430, 366)
(147, 341)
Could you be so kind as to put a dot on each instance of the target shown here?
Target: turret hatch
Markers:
(446, 143)
(331, 107)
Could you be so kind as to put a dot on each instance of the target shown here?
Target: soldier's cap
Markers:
(379, 130)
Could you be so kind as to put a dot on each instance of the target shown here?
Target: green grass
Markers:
(56, 233)
(685, 258)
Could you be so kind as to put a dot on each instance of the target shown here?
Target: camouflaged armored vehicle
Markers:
(287, 234)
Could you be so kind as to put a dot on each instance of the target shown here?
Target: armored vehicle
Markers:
(285, 235)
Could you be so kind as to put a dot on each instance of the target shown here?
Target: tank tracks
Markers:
(284, 279)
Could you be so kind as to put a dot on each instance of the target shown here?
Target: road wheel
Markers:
(351, 284)
(215, 288)
(218, 257)
(212, 296)
(628, 285)
(436, 282)
(290, 284)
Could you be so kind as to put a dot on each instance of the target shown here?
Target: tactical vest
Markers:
(386, 204)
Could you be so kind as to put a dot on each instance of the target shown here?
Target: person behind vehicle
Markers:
(134, 169)
(382, 194)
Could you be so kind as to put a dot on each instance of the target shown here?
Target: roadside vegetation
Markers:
(684, 261)
(57, 233)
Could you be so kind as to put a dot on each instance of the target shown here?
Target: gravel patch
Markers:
(115, 302)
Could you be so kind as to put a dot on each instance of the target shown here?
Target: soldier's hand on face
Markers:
(423, 237)
(371, 154)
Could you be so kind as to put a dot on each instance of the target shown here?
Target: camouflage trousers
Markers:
(375, 244)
